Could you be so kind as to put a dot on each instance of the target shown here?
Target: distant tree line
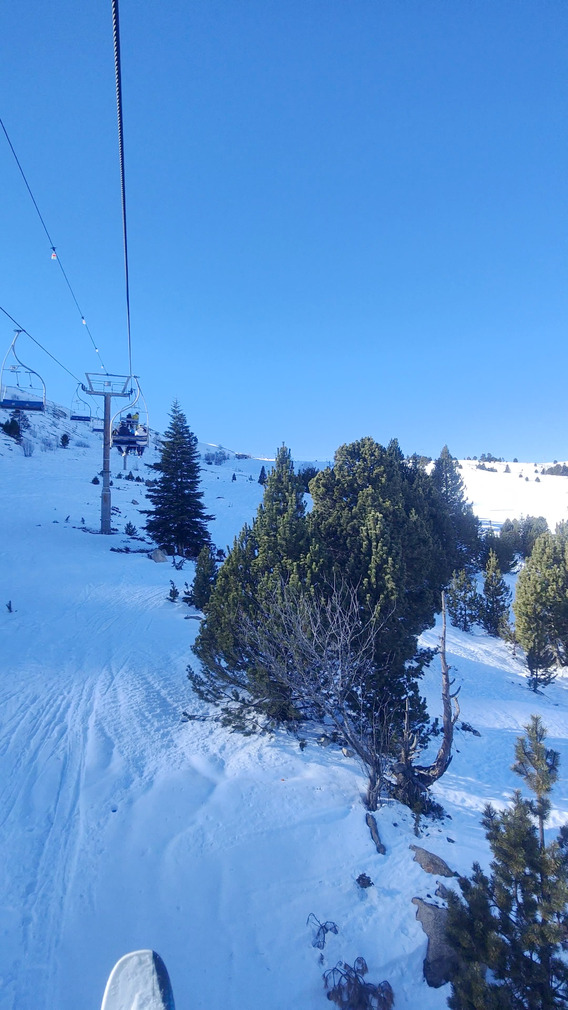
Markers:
(558, 470)
(540, 607)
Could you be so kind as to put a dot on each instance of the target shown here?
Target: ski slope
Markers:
(125, 826)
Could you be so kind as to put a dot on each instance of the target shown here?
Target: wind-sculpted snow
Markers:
(123, 826)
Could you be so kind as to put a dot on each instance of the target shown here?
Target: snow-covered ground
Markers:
(124, 826)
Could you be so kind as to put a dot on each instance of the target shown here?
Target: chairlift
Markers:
(98, 424)
(80, 409)
(130, 431)
(21, 388)
(106, 384)
(97, 421)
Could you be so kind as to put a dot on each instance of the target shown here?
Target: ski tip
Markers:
(139, 981)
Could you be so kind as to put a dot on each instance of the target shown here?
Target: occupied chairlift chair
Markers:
(21, 388)
(130, 431)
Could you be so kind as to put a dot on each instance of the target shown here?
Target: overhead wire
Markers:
(117, 68)
(54, 253)
(22, 329)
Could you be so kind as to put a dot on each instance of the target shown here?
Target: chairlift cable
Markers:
(116, 38)
(22, 329)
(54, 253)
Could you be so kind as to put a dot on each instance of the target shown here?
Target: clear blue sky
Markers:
(346, 217)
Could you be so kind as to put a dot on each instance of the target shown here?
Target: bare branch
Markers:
(321, 650)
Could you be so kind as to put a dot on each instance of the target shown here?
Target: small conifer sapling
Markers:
(510, 925)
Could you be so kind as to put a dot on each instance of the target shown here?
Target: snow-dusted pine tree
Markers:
(204, 580)
(496, 597)
(178, 522)
(509, 929)
(463, 601)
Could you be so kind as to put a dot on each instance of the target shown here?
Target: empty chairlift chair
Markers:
(80, 409)
(98, 422)
(21, 388)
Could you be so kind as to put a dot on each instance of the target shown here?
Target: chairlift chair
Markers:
(98, 422)
(21, 388)
(130, 431)
(80, 409)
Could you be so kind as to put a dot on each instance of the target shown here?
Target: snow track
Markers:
(43, 766)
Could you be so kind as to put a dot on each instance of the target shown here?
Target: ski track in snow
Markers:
(122, 826)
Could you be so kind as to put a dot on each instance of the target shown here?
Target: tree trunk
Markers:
(413, 780)
(431, 773)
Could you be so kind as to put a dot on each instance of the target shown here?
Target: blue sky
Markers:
(346, 217)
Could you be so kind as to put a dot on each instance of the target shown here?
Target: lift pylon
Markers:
(107, 386)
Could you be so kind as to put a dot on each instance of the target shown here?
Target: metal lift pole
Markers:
(108, 386)
(105, 493)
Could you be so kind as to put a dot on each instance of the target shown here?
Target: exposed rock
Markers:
(431, 863)
(441, 960)
(364, 880)
(442, 892)
(372, 825)
(158, 555)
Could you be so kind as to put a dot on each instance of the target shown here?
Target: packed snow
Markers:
(126, 825)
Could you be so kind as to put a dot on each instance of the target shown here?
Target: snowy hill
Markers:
(125, 826)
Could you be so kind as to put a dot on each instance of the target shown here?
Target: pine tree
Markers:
(508, 633)
(496, 597)
(538, 766)
(178, 522)
(463, 601)
(264, 557)
(378, 527)
(531, 528)
(12, 427)
(262, 476)
(537, 591)
(509, 546)
(280, 526)
(204, 579)
(509, 927)
(21, 419)
(559, 595)
(381, 525)
(465, 526)
(305, 475)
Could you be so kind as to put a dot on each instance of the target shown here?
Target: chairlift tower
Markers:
(107, 386)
